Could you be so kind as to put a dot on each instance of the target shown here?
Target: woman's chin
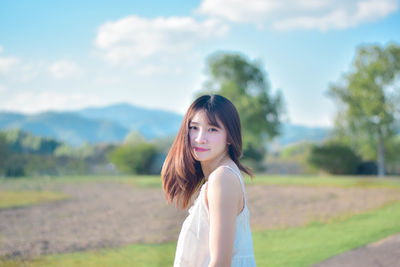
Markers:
(202, 157)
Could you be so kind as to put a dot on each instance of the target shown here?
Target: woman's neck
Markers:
(209, 166)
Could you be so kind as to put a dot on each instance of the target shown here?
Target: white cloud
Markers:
(135, 38)
(29, 101)
(338, 19)
(14, 69)
(374, 9)
(240, 10)
(7, 64)
(65, 69)
(303, 14)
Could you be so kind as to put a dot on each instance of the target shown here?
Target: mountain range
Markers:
(112, 123)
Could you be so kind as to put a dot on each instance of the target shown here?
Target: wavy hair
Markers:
(181, 173)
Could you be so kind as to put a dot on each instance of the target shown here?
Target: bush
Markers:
(253, 157)
(334, 158)
(4, 153)
(50, 165)
(15, 165)
(291, 159)
(367, 168)
(135, 159)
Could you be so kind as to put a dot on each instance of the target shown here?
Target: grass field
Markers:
(10, 199)
(296, 246)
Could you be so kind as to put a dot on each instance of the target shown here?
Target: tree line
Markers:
(23, 154)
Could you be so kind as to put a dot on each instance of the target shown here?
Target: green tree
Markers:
(15, 165)
(393, 156)
(37, 164)
(134, 137)
(24, 142)
(4, 153)
(292, 158)
(334, 158)
(138, 158)
(245, 84)
(86, 150)
(368, 97)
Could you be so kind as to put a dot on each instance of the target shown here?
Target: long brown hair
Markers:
(181, 173)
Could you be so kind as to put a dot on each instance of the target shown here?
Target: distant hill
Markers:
(292, 133)
(65, 126)
(151, 123)
(112, 123)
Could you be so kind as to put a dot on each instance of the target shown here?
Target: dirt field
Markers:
(107, 214)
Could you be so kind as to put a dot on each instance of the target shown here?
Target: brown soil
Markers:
(107, 214)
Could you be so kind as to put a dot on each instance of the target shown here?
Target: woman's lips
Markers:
(199, 149)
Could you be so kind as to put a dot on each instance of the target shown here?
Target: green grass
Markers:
(155, 180)
(139, 255)
(308, 245)
(336, 181)
(297, 246)
(25, 198)
(143, 181)
(37, 182)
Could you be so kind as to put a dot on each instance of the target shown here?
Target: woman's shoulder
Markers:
(223, 188)
(225, 170)
(225, 178)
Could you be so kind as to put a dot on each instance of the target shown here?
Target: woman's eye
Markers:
(193, 127)
(213, 129)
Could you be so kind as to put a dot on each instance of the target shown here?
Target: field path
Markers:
(383, 253)
(111, 214)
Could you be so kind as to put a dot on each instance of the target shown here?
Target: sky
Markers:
(66, 55)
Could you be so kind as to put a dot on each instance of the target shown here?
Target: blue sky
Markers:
(63, 55)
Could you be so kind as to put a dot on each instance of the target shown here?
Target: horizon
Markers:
(59, 57)
(137, 106)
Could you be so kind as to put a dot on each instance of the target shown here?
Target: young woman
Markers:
(205, 157)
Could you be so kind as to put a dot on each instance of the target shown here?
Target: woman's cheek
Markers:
(191, 136)
(220, 138)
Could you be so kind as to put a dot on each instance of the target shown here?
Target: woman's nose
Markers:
(201, 137)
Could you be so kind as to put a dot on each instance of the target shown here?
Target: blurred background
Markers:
(93, 90)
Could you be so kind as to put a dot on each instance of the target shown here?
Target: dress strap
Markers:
(240, 179)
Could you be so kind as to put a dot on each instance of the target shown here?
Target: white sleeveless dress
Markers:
(193, 243)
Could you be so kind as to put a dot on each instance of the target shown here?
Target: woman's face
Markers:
(207, 141)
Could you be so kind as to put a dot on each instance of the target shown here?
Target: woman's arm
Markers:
(224, 192)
